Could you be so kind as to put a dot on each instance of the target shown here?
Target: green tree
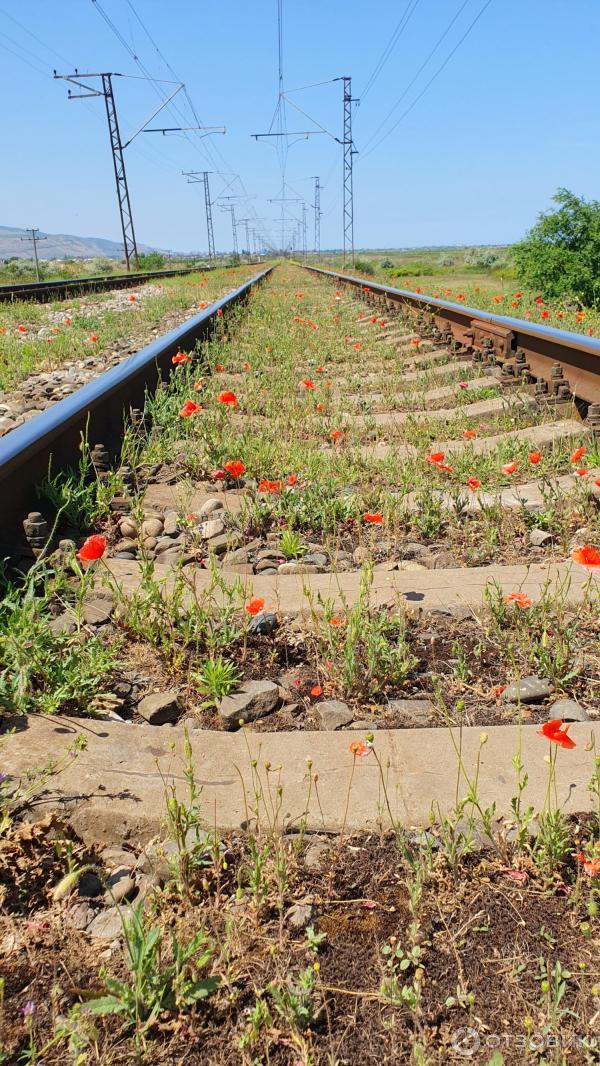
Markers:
(561, 254)
(151, 261)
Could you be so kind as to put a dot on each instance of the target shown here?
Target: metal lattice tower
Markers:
(231, 208)
(304, 229)
(349, 151)
(129, 242)
(194, 177)
(317, 207)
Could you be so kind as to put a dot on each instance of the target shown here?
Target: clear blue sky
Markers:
(512, 116)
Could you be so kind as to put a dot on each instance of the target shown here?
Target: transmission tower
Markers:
(34, 237)
(231, 208)
(196, 177)
(349, 151)
(118, 147)
(317, 214)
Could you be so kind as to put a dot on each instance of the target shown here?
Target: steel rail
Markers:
(94, 412)
(42, 291)
(564, 364)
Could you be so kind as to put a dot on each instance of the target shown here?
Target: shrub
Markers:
(363, 266)
(561, 253)
(151, 261)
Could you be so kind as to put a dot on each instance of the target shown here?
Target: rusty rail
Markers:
(562, 364)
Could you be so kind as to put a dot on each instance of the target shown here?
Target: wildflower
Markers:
(299, 295)
(291, 479)
(509, 468)
(28, 1009)
(180, 357)
(357, 347)
(539, 301)
(555, 732)
(577, 454)
(92, 338)
(463, 384)
(444, 466)
(520, 599)
(219, 367)
(518, 295)
(218, 475)
(373, 518)
(498, 690)
(335, 622)
(255, 606)
(316, 691)
(132, 299)
(587, 556)
(597, 482)
(335, 434)
(534, 457)
(92, 548)
(591, 866)
(202, 307)
(66, 321)
(359, 749)
(435, 458)
(579, 317)
(219, 313)
(545, 314)
(236, 468)
(474, 484)
(189, 408)
(198, 385)
(320, 370)
(416, 341)
(582, 471)
(417, 289)
(228, 398)
(590, 332)
(321, 407)
(21, 329)
(514, 303)
(460, 296)
(308, 384)
(469, 434)
(273, 487)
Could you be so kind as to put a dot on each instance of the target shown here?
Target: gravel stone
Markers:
(297, 567)
(333, 714)
(263, 624)
(209, 506)
(160, 707)
(214, 527)
(253, 700)
(540, 537)
(299, 916)
(528, 690)
(568, 710)
(152, 527)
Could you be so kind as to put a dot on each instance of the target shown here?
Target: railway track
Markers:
(43, 291)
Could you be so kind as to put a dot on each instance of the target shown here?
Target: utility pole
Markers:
(231, 208)
(349, 152)
(304, 228)
(245, 221)
(194, 177)
(118, 147)
(34, 237)
(317, 207)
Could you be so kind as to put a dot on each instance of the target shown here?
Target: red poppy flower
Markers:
(539, 301)
(577, 454)
(582, 472)
(66, 321)
(335, 434)
(520, 599)
(320, 407)
(255, 605)
(93, 548)
(316, 691)
(435, 458)
(198, 385)
(509, 468)
(92, 338)
(591, 866)
(469, 434)
(245, 366)
(590, 332)
(554, 732)
(579, 317)
(202, 307)
(236, 468)
(444, 466)
(189, 408)
(228, 398)
(308, 384)
(218, 475)
(357, 347)
(474, 484)
(219, 313)
(417, 289)
(359, 749)
(597, 482)
(132, 299)
(534, 457)
(587, 556)
(498, 690)
(374, 519)
(514, 303)
(373, 319)
(21, 329)
(335, 622)
(274, 487)
(291, 479)
(518, 295)
(463, 384)
(299, 295)
(319, 370)
(460, 296)
(545, 314)
(180, 357)
(219, 367)
(416, 341)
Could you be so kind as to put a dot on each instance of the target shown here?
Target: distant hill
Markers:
(60, 246)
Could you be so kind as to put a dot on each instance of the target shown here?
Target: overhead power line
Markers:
(389, 48)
